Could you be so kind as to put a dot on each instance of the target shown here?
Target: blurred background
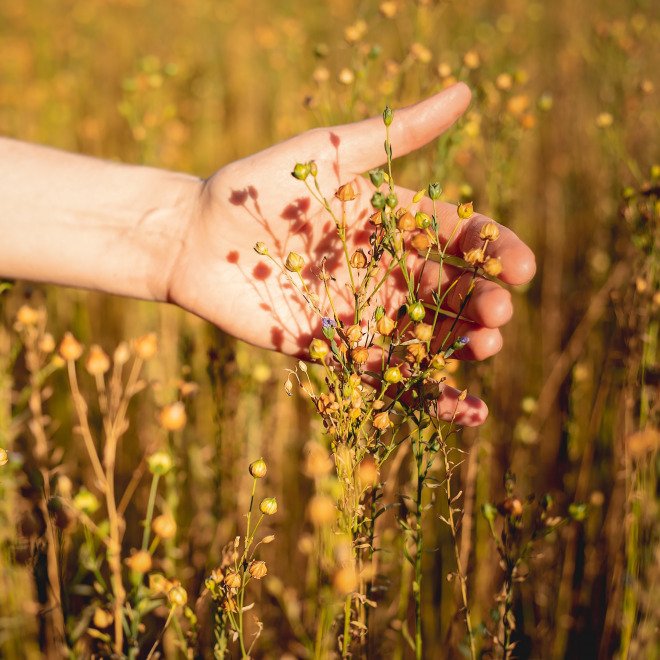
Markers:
(559, 144)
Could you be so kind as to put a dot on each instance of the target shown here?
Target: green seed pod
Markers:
(378, 200)
(392, 375)
(268, 506)
(301, 171)
(377, 177)
(422, 220)
(391, 200)
(416, 311)
(388, 115)
(435, 191)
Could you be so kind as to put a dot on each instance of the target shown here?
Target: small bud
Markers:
(318, 350)
(173, 417)
(360, 354)
(258, 468)
(177, 596)
(416, 311)
(160, 463)
(392, 375)
(406, 222)
(322, 510)
(70, 348)
(258, 569)
(139, 561)
(492, 266)
(294, 262)
(122, 354)
(164, 526)
(420, 242)
(391, 200)
(382, 421)
(300, 171)
(388, 115)
(146, 346)
(268, 506)
(4, 457)
(465, 211)
(346, 193)
(435, 191)
(376, 177)
(385, 326)
(98, 361)
(261, 248)
(378, 200)
(489, 232)
(233, 580)
(359, 259)
(268, 539)
(423, 332)
(419, 195)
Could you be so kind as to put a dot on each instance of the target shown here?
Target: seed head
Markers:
(173, 416)
(98, 361)
(294, 262)
(353, 333)
(233, 580)
(258, 468)
(359, 259)
(423, 332)
(27, 316)
(268, 506)
(160, 463)
(421, 242)
(140, 561)
(258, 569)
(489, 232)
(318, 350)
(261, 248)
(382, 421)
(346, 193)
(360, 354)
(474, 257)
(177, 596)
(321, 510)
(406, 222)
(392, 375)
(385, 326)
(164, 526)
(70, 348)
(4, 457)
(146, 346)
(492, 266)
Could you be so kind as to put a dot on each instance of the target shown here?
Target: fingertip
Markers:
(519, 265)
(484, 343)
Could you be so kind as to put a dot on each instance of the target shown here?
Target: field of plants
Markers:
(167, 490)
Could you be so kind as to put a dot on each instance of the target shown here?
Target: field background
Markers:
(564, 119)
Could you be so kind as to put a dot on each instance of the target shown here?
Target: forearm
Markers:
(83, 222)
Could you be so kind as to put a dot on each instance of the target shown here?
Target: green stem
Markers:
(150, 511)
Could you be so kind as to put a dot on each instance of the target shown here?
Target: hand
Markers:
(220, 277)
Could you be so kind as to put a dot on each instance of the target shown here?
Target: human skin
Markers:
(156, 235)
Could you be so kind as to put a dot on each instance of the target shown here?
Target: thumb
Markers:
(411, 128)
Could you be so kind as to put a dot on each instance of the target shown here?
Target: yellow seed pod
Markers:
(353, 333)
(258, 468)
(474, 257)
(489, 232)
(173, 417)
(406, 222)
(70, 348)
(294, 262)
(268, 506)
(177, 596)
(318, 350)
(493, 266)
(164, 526)
(98, 361)
(102, 618)
(423, 332)
(233, 580)
(258, 569)
(146, 346)
(359, 259)
(346, 193)
(360, 354)
(139, 561)
(4, 457)
(27, 316)
(385, 326)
